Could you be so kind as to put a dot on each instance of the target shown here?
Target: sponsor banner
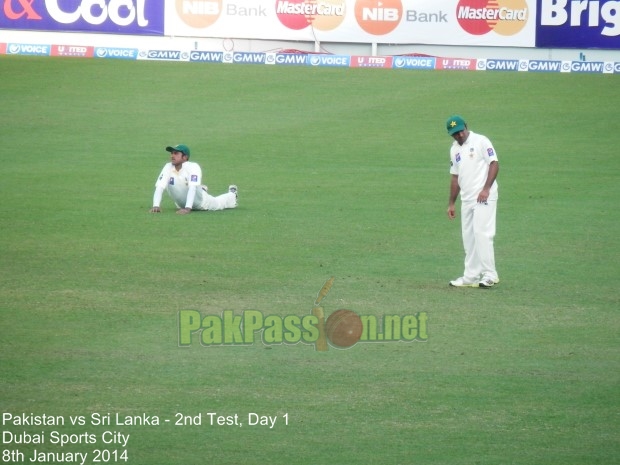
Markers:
(442, 22)
(586, 66)
(310, 59)
(206, 57)
(362, 61)
(138, 17)
(540, 66)
(465, 64)
(163, 55)
(578, 24)
(72, 51)
(28, 49)
(121, 53)
(491, 64)
(330, 60)
(413, 62)
(290, 59)
(254, 58)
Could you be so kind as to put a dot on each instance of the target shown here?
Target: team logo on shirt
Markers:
(171, 181)
(471, 153)
(194, 178)
(490, 152)
(458, 157)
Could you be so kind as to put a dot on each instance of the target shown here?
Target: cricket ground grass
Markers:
(342, 173)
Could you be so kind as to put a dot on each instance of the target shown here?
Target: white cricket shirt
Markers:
(179, 183)
(470, 162)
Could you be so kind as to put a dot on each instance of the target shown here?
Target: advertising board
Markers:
(581, 24)
(508, 23)
(139, 17)
(578, 24)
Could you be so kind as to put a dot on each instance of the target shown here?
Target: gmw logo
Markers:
(342, 329)
(504, 17)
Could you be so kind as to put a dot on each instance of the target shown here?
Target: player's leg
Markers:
(221, 202)
(227, 200)
(472, 264)
(484, 232)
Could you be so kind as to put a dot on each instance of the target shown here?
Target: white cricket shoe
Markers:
(487, 282)
(233, 190)
(462, 282)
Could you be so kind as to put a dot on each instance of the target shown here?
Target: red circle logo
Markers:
(505, 17)
(323, 15)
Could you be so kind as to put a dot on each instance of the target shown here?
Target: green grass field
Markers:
(343, 173)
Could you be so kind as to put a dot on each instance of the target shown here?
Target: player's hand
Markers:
(155, 210)
(451, 212)
(483, 196)
(184, 211)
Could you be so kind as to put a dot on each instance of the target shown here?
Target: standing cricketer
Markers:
(474, 167)
(182, 179)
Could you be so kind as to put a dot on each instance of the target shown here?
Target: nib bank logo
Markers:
(341, 330)
(505, 17)
(378, 17)
(199, 13)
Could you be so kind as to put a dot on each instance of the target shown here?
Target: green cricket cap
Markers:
(178, 148)
(455, 124)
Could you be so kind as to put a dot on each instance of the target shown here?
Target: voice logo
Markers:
(28, 49)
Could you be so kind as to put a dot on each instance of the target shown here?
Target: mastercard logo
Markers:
(378, 17)
(323, 15)
(199, 13)
(505, 17)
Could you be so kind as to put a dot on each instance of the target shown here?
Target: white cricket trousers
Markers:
(478, 228)
(227, 200)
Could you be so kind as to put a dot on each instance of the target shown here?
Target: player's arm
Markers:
(159, 192)
(483, 196)
(195, 179)
(189, 201)
(454, 193)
